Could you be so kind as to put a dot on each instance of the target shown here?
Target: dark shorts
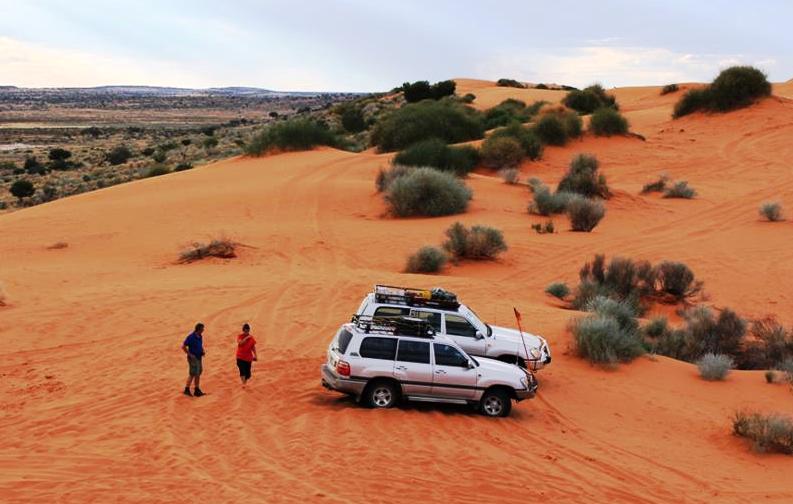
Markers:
(245, 368)
(194, 365)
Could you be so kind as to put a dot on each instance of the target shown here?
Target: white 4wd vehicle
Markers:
(382, 360)
(449, 317)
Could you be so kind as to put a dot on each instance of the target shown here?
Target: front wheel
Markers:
(381, 395)
(495, 403)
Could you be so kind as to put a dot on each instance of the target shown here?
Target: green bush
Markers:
(426, 260)
(436, 154)
(558, 290)
(427, 192)
(547, 228)
(183, 167)
(468, 98)
(589, 99)
(622, 279)
(532, 147)
(680, 190)
(449, 121)
(656, 328)
(352, 119)
(656, 186)
(606, 121)
(510, 83)
(118, 155)
(385, 177)
(509, 111)
(584, 178)
(584, 214)
(510, 176)
(601, 340)
(676, 281)
(546, 203)
(156, 171)
(770, 346)
(501, 152)
(477, 243)
(622, 311)
(291, 135)
(735, 87)
(421, 90)
(551, 130)
(22, 188)
(669, 88)
(573, 125)
(705, 333)
(771, 433)
(714, 367)
(772, 211)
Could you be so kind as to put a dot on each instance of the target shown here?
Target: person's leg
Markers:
(240, 367)
(189, 377)
(197, 379)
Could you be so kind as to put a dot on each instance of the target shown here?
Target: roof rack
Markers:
(435, 298)
(394, 326)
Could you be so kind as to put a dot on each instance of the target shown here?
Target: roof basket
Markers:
(394, 326)
(435, 298)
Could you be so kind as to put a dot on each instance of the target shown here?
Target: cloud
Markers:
(612, 66)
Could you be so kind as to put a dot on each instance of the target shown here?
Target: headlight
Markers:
(535, 354)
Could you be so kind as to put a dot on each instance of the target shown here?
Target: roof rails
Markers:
(394, 326)
(435, 298)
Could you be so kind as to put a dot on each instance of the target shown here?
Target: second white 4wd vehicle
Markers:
(382, 360)
(449, 317)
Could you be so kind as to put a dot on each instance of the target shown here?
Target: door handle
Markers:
(402, 368)
(440, 371)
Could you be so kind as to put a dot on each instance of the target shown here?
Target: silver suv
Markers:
(449, 317)
(382, 360)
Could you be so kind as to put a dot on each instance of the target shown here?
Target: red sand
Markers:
(91, 373)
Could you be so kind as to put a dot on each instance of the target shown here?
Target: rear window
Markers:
(390, 311)
(378, 348)
(344, 340)
(414, 351)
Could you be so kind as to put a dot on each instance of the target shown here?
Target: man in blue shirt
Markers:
(193, 346)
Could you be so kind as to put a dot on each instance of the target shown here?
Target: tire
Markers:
(495, 403)
(381, 394)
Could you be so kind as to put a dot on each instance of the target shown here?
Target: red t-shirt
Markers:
(245, 350)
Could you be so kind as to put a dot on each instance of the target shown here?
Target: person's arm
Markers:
(185, 349)
(253, 350)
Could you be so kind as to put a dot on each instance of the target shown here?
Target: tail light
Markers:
(343, 368)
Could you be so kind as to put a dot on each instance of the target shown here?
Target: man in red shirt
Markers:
(246, 353)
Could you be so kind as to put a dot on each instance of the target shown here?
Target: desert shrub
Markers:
(501, 152)
(468, 98)
(621, 279)
(706, 333)
(427, 192)
(584, 214)
(510, 110)
(656, 186)
(624, 312)
(32, 166)
(770, 345)
(183, 167)
(601, 340)
(426, 260)
(733, 88)
(352, 119)
(449, 121)
(558, 290)
(291, 135)
(714, 367)
(606, 121)
(220, 247)
(676, 281)
(510, 176)
(422, 90)
(551, 130)
(22, 188)
(589, 99)
(770, 376)
(656, 328)
(669, 88)
(118, 155)
(385, 177)
(573, 125)
(583, 178)
(59, 154)
(477, 243)
(771, 433)
(510, 83)
(692, 101)
(436, 154)
(148, 151)
(547, 228)
(532, 147)
(159, 156)
(547, 203)
(772, 211)
(680, 190)
(210, 142)
(156, 171)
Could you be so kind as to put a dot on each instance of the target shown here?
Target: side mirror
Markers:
(479, 335)
(470, 364)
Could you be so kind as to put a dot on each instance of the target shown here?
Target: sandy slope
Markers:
(90, 404)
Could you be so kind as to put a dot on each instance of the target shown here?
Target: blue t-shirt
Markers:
(195, 344)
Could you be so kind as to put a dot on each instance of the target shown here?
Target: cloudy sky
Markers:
(368, 45)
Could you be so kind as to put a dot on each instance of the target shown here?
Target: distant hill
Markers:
(156, 91)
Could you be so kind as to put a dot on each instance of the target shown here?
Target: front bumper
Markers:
(530, 391)
(332, 381)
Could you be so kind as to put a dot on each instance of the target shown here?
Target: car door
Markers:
(413, 367)
(464, 334)
(453, 379)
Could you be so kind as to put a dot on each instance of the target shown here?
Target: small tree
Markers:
(118, 155)
(22, 188)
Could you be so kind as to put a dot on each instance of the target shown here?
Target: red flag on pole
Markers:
(520, 330)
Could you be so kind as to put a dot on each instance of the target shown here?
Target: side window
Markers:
(433, 318)
(378, 348)
(414, 351)
(390, 311)
(344, 340)
(458, 326)
(447, 355)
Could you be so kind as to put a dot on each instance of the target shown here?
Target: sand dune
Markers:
(90, 381)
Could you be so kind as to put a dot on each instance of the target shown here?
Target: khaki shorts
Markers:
(194, 364)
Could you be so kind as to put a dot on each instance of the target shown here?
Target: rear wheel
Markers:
(495, 403)
(381, 394)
